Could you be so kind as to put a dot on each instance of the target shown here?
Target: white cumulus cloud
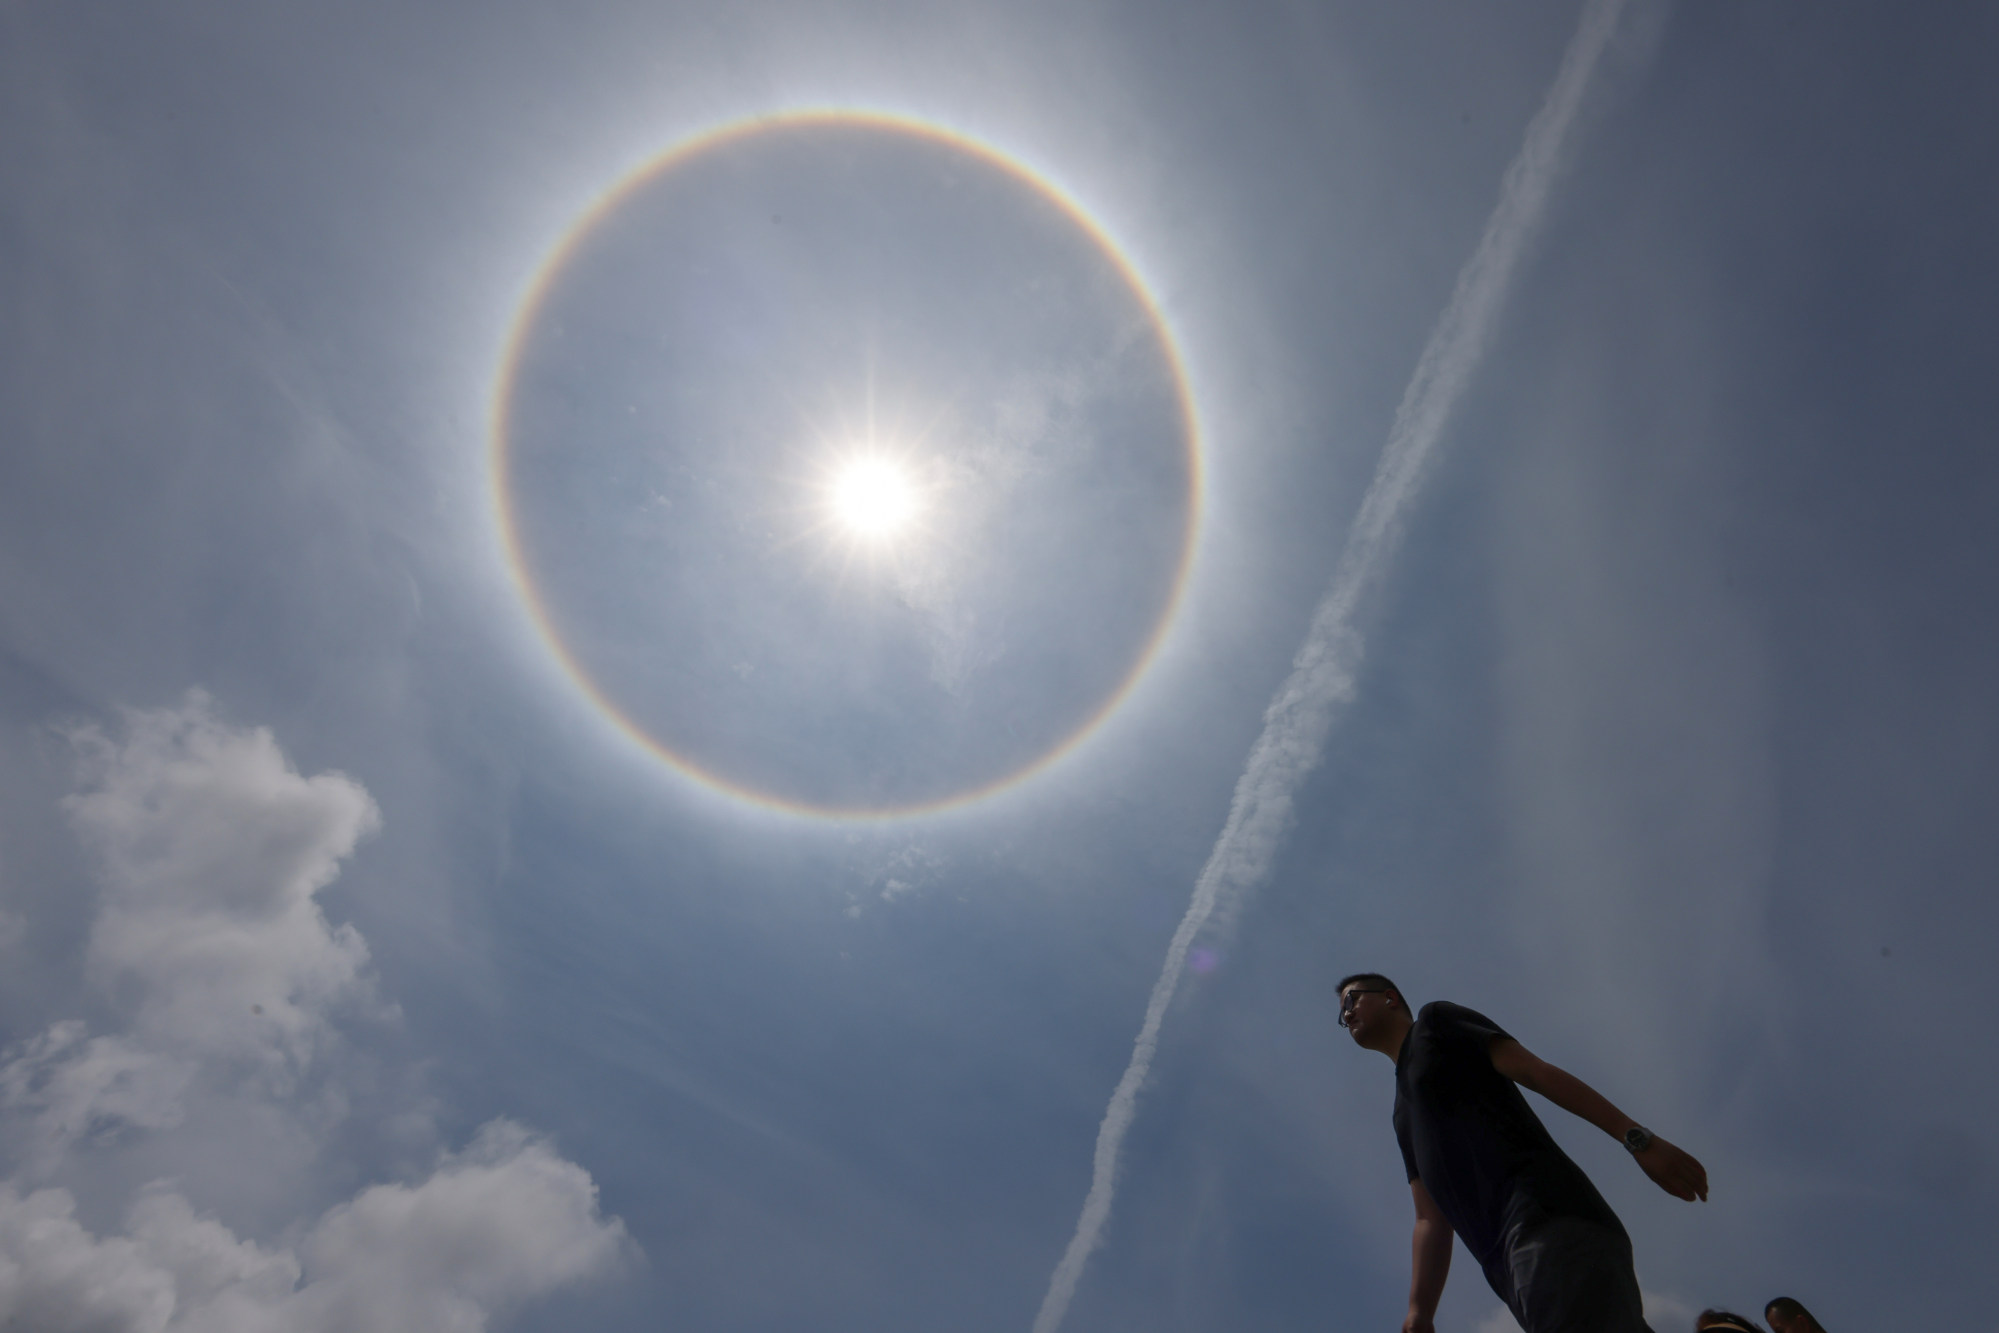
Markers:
(73, 1088)
(224, 985)
(211, 848)
(503, 1222)
(208, 943)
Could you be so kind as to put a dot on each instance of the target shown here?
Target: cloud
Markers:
(211, 847)
(889, 873)
(909, 870)
(75, 1088)
(1321, 683)
(503, 1222)
(208, 944)
(225, 980)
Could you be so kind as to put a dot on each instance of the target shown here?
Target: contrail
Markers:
(1296, 724)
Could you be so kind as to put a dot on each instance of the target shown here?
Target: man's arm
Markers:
(1430, 1261)
(1674, 1171)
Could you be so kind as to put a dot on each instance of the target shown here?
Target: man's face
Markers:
(1361, 1006)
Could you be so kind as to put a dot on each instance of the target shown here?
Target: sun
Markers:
(873, 498)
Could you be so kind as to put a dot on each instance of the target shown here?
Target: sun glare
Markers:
(873, 498)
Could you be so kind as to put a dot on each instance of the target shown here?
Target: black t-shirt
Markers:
(1467, 1132)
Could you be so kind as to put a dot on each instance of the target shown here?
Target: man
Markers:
(1481, 1164)
(1787, 1316)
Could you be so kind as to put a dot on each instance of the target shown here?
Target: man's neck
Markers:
(1392, 1038)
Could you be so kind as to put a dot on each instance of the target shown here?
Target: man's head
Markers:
(1721, 1321)
(1373, 1011)
(1787, 1316)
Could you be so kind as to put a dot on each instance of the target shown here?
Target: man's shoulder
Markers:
(1443, 1015)
(1437, 1011)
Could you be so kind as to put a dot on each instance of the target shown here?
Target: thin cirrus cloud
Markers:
(1299, 720)
(227, 987)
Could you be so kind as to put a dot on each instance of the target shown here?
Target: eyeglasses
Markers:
(1352, 998)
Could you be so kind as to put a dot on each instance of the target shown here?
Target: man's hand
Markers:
(1674, 1171)
(1418, 1323)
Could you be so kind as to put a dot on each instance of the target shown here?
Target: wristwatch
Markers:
(1638, 1139)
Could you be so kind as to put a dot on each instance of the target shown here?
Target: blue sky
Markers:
(358, 972)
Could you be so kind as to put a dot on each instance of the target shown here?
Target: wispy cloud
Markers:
(1321, 682)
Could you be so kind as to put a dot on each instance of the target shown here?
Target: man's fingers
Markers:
(1697, 1175)
(1677, 1173)
(1694, 1176)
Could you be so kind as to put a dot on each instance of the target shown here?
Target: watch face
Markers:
(1637, 1139)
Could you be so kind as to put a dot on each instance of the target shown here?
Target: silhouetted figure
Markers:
(1787, 1316)
(1482, 1164)
(1722, 1321)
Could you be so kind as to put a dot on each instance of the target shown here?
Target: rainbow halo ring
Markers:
(845, 464)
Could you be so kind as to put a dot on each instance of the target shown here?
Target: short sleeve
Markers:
(1465, 1025)
(1402, 1142)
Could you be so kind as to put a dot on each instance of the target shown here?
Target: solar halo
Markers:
(870, 495)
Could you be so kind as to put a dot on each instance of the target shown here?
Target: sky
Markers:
(485, 845)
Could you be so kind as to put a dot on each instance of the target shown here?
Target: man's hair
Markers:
(1788, 1308)
(1723, 1319)
(1371, 979)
